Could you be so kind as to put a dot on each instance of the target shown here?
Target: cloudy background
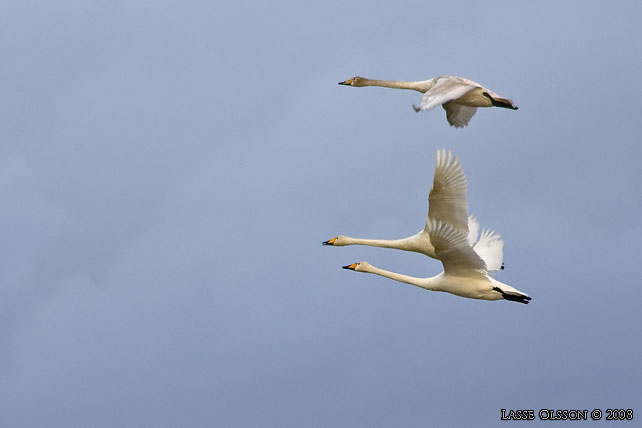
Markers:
(169, 169)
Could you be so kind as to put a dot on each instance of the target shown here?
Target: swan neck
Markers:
(398, 244)
(427, 283)
(394, 84)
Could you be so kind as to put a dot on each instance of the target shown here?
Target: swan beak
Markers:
(330, 242)
(353, 266)
(347, 82)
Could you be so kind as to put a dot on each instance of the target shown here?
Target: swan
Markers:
(460, 97)
(447, 203)
(464, 272)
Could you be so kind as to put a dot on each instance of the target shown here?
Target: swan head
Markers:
(338, 241)
(354, 81)
(358, 267)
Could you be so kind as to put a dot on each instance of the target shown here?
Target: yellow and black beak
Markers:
(353, 266)
(329, 242)
(347, 82)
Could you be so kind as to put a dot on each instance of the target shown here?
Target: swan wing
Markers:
(458, 115)
(490, 248)
(446, 88)
(447, 201)
(454, 251)
(473, 230)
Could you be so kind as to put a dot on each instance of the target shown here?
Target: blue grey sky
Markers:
(169, 169)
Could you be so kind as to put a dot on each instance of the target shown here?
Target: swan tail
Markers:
(501, 102)
(513, 296)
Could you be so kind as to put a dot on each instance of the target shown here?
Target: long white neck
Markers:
(427, 283)
(412, 243)
(421, 86)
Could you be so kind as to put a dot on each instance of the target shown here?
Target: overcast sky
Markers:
(169, 169)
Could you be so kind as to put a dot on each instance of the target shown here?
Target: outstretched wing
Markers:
(490, 248)
(446, 88)
(458, 115)
(473, 230)
(454, 251)
(447, 201)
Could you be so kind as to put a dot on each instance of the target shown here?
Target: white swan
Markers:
(458, 96)
(447, 203)
(464, 270)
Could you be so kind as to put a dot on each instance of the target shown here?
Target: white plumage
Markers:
(460, 97)
(465, 273)
(447, 203)
(453, 237)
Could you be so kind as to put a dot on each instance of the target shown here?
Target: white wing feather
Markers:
(473, 230)
(454, 251)
(447, 201)
(446, 88)
(490, 248)
(458, 115)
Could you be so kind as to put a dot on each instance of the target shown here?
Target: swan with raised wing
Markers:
(464, 274)
(446, 203)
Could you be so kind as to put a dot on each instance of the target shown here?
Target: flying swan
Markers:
(464, 274)
(458, 96)
(447, 203)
